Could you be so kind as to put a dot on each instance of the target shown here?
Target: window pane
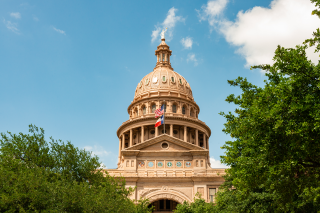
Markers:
(162, 57)
(163, 78)
(174, 108)
(172, 79)
(183, 110)
(153, 108)
(144, 110)
(212, 193)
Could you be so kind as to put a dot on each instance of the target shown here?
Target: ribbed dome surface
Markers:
(163, 79)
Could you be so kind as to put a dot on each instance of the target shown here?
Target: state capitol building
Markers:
(166, 165)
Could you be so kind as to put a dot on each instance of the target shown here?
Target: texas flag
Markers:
(160, 121)
(159, 111)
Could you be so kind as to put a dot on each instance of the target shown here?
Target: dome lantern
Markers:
(163, 54)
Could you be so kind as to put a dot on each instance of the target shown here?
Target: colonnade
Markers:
(190, 111)
(127, 139)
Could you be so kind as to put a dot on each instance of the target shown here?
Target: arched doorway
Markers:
(164, 206)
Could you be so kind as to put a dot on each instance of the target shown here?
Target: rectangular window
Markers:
(212, 194)
(144, 110)
(163, 78)
(162, 57)
(172, 79)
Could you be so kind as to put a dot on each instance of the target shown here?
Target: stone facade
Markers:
(170, 162)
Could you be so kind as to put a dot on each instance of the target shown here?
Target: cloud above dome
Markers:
(169, 22)
(257, 31)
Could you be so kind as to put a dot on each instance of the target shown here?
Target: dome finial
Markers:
(162, 34)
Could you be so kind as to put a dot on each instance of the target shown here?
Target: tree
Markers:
(274, 157)
(198, 206)
(57, 177)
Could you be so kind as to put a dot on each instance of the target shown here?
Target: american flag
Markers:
(159, 111)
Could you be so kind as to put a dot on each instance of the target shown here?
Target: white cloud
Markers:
(11, 26)
(16, 15)
(192, 57)
(212, 11)
(187, 42)
(59, 31)
(97, 150)
(169, 23)
(257, 31)
(217, 164)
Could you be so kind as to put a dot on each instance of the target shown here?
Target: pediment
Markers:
(175, 144)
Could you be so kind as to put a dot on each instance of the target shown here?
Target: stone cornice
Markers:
(138, 120)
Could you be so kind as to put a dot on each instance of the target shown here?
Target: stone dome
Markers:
(163, 80)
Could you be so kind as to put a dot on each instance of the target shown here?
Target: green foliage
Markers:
(198, 206)
(275, 154)
(274, 157)
(57, 177)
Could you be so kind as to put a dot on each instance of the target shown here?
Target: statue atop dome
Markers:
(162, 33)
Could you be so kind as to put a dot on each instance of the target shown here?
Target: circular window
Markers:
(175, 132)
(164, 145)
(152, 132)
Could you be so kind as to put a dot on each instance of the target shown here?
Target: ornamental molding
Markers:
(166, 194)
(196, 149)
(168, 97)
(143, 119)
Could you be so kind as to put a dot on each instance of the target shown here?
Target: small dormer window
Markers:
(147, 81)
(163, 78)
(180, 81)
(183, 110)
(172, 79)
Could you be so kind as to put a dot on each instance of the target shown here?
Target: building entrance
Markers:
(164, 206)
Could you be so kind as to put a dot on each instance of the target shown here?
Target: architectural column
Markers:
(123, 138)
(142, 134)
(156, 132)
(189, 136)
(119, 150)
(204, 141)
(171, 130)
(130, 144)
(185, 134)
(197, 137)
(157, 58)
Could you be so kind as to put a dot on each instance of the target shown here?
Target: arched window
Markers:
(172, 79)
(162, 57)
(174, 108)
(163, 78)
(137, 113)
(153, 108)
(144, 110)
(183, 110)
(191, 113)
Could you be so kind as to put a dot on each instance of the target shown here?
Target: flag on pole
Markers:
(159, 111)
(159, 121)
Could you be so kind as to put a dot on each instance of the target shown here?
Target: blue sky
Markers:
(72, 67)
